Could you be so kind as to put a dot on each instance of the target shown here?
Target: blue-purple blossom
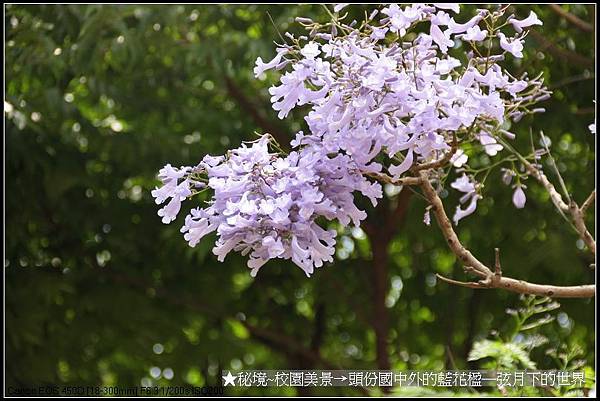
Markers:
(262, 67)
(519, 197)
(267, 207)
(514, 46)
(507, 175)
(427, 217)
(442, 39)
(339, 7)
(518, 25)
(368, 97)
(454, 27)
(172, 188)
(475, 34)
(378, 101)
(469, 188)
(489, 143)
(459, 158)
(455, 7)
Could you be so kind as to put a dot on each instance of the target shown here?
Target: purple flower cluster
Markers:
(176, 186)
(378, 103)
(267, 207)
(407, 100)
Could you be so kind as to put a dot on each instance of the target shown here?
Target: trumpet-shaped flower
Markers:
(518, 25)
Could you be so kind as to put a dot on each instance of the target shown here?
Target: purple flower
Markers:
(441, 18)
(468, 187)
(427, 218)
(514, 46)
(267, 207)
(489, 143)
(529, 21)
(398, 170)
(475, 34)
(463, 184)
(375, 103)
(310, 50)
(178, 192)
(441, 38)
(507, 176)
(454, 27)
(519, 197)
(339, 7)
(455, 7)
(261, 67)
(460, 213)
(459, 158)
(401, 19)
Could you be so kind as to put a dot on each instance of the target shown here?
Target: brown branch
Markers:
(475, 266)
(463, 254)
(572, 80)
(541, 177)
(584, 234)
(585, 110)
(575, 20)
(380, 320)
(577, 216)
(441, 162)
(287, 345)
(524, 287)
(390, 180)
(395, 218)
(381, 227)
(588, 202)
(278, 341)
(459, 283)
(249, 106)
(559, 52)
(385, 224)
(320, 327)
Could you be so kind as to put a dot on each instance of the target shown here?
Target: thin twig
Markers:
(497, 266)
(473, 265)
(576, 215)
(559, 52)
(575, 20)
(467, 284)
(441, 162)
(579, 221)
(555, 167)
(588, 202)
(395, 181)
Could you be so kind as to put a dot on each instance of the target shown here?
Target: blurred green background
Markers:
(98, 291)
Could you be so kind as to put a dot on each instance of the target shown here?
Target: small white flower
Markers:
(464, 184)
(519, 197)
(310, 50)
(514, 46)
(339, 7)
(459, 158)
(427, 217)
(489, 143)
(455, 7)
(475, 34)
(529, 21)
(442, 39)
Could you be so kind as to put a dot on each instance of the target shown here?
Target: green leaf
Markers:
(506, 355)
